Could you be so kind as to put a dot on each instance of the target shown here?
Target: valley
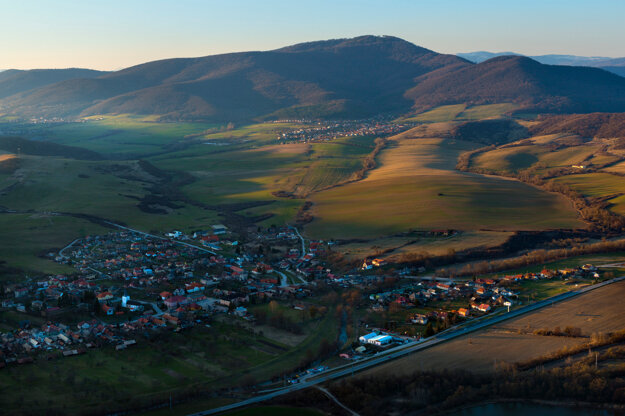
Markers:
(192, 233)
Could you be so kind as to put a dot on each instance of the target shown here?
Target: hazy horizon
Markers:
(66, 33)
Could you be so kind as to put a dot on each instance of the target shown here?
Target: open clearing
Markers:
(415, 186)
(597, 311)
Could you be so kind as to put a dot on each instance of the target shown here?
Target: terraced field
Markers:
(415, 186)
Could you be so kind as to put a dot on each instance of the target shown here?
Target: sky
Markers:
(114, 34)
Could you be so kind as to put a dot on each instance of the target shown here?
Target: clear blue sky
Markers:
(111, 34)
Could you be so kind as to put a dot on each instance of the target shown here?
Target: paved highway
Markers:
(405, 349)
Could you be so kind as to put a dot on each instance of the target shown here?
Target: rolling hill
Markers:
(14, 81)
(614, 65)
(521, 80)
(347, 77)
(342, 78)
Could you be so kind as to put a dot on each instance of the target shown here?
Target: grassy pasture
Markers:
(121, 135)
(254, 173)
(25, 236)
(54, 184)
(415, 186)
(599, 185)
(442, 113)
(538, 153)
(596, 311)
(460, 112)
(481, 112)
(220, 356)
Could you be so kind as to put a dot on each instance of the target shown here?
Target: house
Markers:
(464, 312)
(108, 310)
(194, 287)
(20, 292)
(483, 307)
(174, 301)
(219, 229)
(419, 319)
(104, 296)
(367, 265)
(164, 295)
(378, 262)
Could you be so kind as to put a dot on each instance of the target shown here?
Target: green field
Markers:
(460, 112)
(545, 152)
(416, 187)
(221, 356)
(26, 238)
(481, 112)
(599, 185)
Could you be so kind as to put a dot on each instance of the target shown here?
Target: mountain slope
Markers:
(521, 80)
(14, 81)
(614, 65)
(347, 77)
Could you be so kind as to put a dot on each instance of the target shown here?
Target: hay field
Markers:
(596, 311)
(415, 186)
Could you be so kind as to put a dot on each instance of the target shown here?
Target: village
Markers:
(325, 131)
(128, 283)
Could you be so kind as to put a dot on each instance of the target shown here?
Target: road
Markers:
(302, 240)
(283, 279)
(405, 349)
(335, 400)
(160, 238)
(66, 247)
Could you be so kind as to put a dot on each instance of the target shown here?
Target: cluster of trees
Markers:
(432, 392)
(569, 331)
(596, 340)
(304, 216)
(369, 162)
(532, 257)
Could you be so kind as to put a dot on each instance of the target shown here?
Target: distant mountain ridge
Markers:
(13, 81)
(340, 78)
(614, 65)
(355, 77)
(521, 80)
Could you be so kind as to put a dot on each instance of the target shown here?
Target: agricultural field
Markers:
(415, 186)
(120, 136)
(543, 153)
(392, 248)
(256, 173)
(28, 238)
(460, 112)
(513, 341)
(599, 185)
